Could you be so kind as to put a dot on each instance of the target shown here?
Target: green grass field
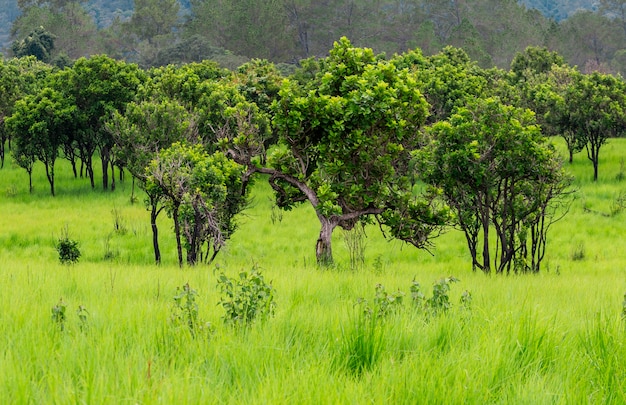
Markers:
(556, 337)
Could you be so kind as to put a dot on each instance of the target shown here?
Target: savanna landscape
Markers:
(554, 337)
(193, 212)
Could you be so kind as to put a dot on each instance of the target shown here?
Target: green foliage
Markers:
(202, 192)
(439, 302)
(384, 303)
(68, 250)
(40, 125)
(185, 312)
(494, 168)
(38, 43)
(247, 299)
(347, 134)
(83, 318)
(59, 316)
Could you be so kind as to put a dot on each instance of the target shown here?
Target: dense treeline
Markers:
(154, 33)
(415, 143)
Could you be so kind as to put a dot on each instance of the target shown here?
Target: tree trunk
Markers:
(30, 180)
(485, 223)
(50, 176)
(112, 176)
(2, 141)
(154, 213)
(323, 248)
(179, 246)
(105, 169)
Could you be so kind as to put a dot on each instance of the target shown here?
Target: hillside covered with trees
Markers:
(588, 34)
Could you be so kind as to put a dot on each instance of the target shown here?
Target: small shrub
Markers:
(58, 315)
(440, 300)
(379, 265)
(387, 303)
(246, 299)
(185, 311)
(69, 253)
(417, 296)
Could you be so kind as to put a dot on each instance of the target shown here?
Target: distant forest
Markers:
(589, 34)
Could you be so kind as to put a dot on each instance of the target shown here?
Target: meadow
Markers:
(553, 338)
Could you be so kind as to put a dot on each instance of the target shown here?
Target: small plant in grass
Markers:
(246, 299)
(624, 307)
(379, 265)
(276, 214)
(11, 191)
(354, 240)
(83, 318)
(119, 224)
(466, 300)
(362, 342)
(440, 300)
(384, 303)
(387, 303)
(578, 253)
(58, 315)
(69, 253)
(185, 311)
(618, 204)
(417, 296)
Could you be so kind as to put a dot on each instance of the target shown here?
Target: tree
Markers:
(594, 110)
(448, 79)
(99, 86)
(140, 132)
(589, 40)
(541, 78)
(152, 26)
(547, 96)
(38, 43)
(195, 103)
(345, 140)
(73, 29)
(40, 124)
(195, 186)
(257, 29)
(496, 170)
(18, 77)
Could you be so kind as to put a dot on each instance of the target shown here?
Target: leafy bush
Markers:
(440, 300)
(68, 249)
(247, 298)
(185, 311)
(384, 303)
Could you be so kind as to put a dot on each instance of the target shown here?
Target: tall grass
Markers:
(556, 337)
